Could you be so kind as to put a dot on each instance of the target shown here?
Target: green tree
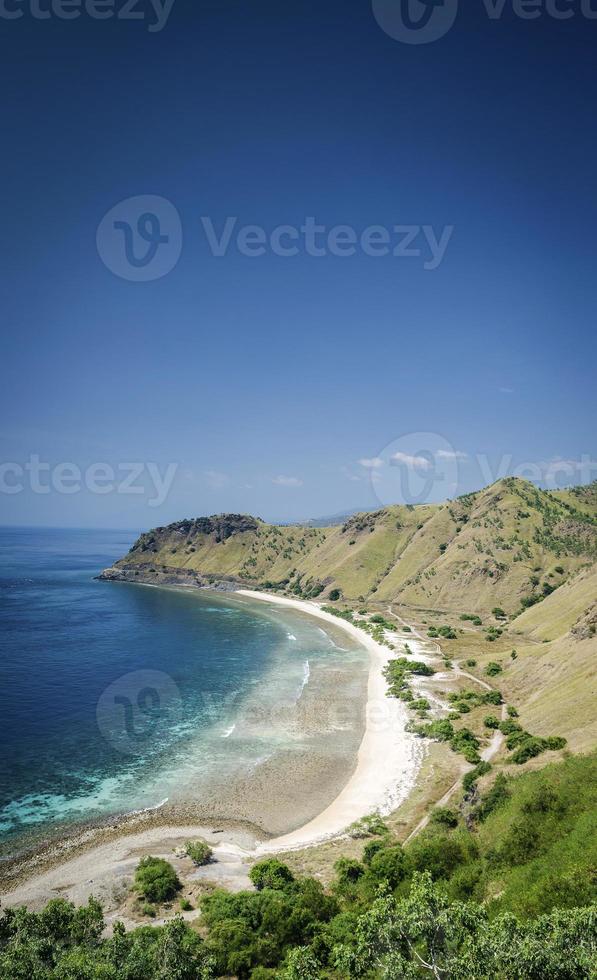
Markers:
(426, 935)
(270, 873)
(156, 880)
(302, 964)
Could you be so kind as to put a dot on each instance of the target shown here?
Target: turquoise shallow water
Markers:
(117, 697)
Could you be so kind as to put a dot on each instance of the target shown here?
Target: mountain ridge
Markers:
(509, 545)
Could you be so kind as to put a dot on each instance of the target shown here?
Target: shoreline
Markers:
(386, 767)
(388, 757)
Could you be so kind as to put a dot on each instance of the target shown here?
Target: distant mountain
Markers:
(333, 519)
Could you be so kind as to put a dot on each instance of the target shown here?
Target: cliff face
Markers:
(510, 545)
(145, 560)
(220, 528)
(156, 574)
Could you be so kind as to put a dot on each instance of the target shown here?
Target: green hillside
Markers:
(508, 545)
(511, 570)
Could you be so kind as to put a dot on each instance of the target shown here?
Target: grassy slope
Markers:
(465, 556)
(556, 679)
(537, 849)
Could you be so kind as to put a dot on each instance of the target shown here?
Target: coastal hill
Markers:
(509, 573)
(510, 545)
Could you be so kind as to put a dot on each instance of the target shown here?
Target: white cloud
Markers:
(287, 481)
(451, 454)
(372, 464)
(216, 479)
(506, 391)
(413, 462)
(557, 464)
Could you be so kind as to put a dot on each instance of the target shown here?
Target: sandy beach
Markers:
(388, 756)
(386, 767)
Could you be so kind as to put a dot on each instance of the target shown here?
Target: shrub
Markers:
(369, 826)
(498, 612)
(271, 873)
(470, 778)
(509, 726)
(492, 669)
(185, 905)
(555, 742)
(494, 798)
(441, 730)
(156, 880)
(491, 722)
(389, 865)
(445, 817)
(475, 620)
(149, 910)
(516, 738)
(334, 595)
(199, 852)
(465, 742)
(439, 853)
(471, 663)
(528, 749)
(348, 871)
(371, 849)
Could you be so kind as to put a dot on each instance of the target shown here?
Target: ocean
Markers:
(117, 697)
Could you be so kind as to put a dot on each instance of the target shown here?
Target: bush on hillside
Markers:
(271, 873)
(156, 880)
(444, 817)
(199, 852)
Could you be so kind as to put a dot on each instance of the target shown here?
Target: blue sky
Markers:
(264, 381)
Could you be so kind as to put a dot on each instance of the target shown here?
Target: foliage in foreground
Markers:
(501, 889)
(64, 943)
(423, 934)
(426, 935)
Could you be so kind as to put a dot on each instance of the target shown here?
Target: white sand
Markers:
(388, 757)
